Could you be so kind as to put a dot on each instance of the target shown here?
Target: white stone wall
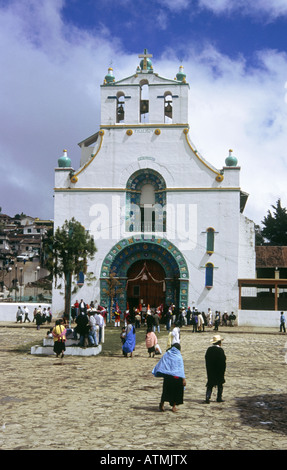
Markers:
(247, 254)
(8, 310)
(264, 318)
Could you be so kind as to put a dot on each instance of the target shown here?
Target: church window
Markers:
(120, 107)
(210, 240)
(145, 202)
(144, 102)
(81, 279)
(209, 275)
(168, 108)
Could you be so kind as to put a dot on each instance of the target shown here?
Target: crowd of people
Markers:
(86, 328)
(89, 323)
(154, 318)
(201, 320)
(40, 315)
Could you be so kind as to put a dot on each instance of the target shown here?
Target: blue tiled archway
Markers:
(129, 250)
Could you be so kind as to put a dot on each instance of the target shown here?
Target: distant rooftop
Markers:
(271, 256)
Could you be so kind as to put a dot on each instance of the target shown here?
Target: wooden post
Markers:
(276, 296)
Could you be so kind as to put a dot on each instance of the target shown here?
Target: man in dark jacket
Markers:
(215, 361)
(82, 327)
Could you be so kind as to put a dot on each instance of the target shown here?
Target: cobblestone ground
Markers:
(111, 403)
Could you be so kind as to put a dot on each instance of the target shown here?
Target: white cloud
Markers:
(263, 9)
(162, 20)
(267, 8)
(50, 77)
(175, 6)
(244, 109)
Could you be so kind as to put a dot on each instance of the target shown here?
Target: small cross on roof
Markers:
(145, 56)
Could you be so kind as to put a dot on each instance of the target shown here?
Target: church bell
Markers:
(121, 112)
(168, 110)
(144, 106)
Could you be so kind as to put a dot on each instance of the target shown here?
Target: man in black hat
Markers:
(215, 361)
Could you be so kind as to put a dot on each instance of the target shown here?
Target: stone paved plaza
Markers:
(110, 403)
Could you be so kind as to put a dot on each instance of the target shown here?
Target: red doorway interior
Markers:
(146, 284)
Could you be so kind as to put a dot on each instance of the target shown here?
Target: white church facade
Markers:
(169, 225)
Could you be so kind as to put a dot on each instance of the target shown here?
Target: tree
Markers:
(259, 239)
(67, 254)
(19, 216)
(275, 226)
(113, 289)
(47, 251)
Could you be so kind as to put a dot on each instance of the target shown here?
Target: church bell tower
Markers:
(144, 98)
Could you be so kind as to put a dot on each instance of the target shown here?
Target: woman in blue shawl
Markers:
(130, 340)
(171, 368)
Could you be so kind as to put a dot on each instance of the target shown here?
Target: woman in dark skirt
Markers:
(172, 392)
(59, 335)
(171, 368)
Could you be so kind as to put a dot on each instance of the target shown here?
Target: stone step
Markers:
(70, 350)
(69, 342)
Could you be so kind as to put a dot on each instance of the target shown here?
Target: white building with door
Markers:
(168, 223)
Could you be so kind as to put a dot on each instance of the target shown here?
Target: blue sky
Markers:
(54, 55)
(164, 24)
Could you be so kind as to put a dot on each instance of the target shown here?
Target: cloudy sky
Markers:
(55, 54)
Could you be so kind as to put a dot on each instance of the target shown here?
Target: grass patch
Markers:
(25, 347)
(113, 346)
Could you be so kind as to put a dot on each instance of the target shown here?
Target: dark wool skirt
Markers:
(59, 347)
(173, 390)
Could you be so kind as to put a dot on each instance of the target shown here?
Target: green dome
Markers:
(181, 76)
(110, 78)
(231, 160)
(148, 64)
(64, 161)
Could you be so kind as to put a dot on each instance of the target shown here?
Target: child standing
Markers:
(150, 341)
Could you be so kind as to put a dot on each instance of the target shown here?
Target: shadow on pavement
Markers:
(264, 411)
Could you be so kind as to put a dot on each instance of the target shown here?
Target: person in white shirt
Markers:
(183, 314)
(175, 335)
(19, 315)
(26, 313)
(100, 322)
(199, 322)
(92, 335)
(209, 318)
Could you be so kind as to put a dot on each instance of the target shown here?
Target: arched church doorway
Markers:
(146, 284)
(162, 260)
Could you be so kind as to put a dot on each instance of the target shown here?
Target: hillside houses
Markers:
(21, 235)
